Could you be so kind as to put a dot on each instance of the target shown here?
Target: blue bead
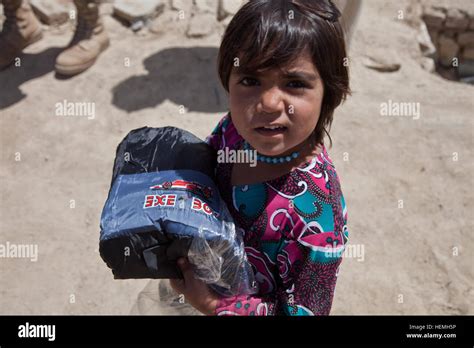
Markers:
(275, 160)
(294, 154)
(268, 159)
(282, 159)
(288, 158)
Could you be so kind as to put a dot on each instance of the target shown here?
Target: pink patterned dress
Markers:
(295, 233)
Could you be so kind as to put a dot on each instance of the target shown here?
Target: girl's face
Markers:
(278, 109)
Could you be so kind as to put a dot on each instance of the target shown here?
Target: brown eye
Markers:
(297, 84)
(248, 81)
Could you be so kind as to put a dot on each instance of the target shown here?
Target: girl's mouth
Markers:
(271, 130)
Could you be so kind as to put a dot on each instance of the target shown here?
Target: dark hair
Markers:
(269, 33)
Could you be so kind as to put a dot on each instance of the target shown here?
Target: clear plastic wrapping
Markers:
(222, 265)
(163, 204)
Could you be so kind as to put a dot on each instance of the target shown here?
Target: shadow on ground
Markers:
(185, 76)
(31, 66)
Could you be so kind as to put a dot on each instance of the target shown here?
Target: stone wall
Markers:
(204, 13)
(451, 32)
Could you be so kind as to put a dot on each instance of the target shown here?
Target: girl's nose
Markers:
(271, 101)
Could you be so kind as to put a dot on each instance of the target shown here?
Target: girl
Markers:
(282, 64)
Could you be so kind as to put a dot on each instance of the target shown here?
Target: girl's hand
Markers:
(195, 291)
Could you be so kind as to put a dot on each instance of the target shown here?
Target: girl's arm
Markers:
(307, 274)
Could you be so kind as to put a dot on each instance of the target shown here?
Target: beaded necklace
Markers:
(273, 159)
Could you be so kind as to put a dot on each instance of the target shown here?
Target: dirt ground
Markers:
(418, 258)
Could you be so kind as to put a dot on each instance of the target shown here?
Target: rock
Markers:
(469, 80)
(466, 38)
(134, 11)
(106, 8)
(466, 68)
(226, 21)
(428, 64)
(206, 6)
(433, 35)
(448, 73)
(455, 19)
(413, 12)
(468, 52)
(450, 33)
(169, 21)
(137, 25)
(433, 17)
(424, 40)
(52, 12)
(201, 24)
(447, 50)
(228, 8)
(381, 64)
(183, 5)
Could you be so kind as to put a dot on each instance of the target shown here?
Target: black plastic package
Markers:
(163, 204)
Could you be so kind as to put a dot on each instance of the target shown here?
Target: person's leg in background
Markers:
(350, 10)
(20, 29)
(88, 42)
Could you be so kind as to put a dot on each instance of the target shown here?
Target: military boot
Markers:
(20, 29)
(90, 39)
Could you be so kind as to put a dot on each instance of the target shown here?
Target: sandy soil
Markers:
(422, 251)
